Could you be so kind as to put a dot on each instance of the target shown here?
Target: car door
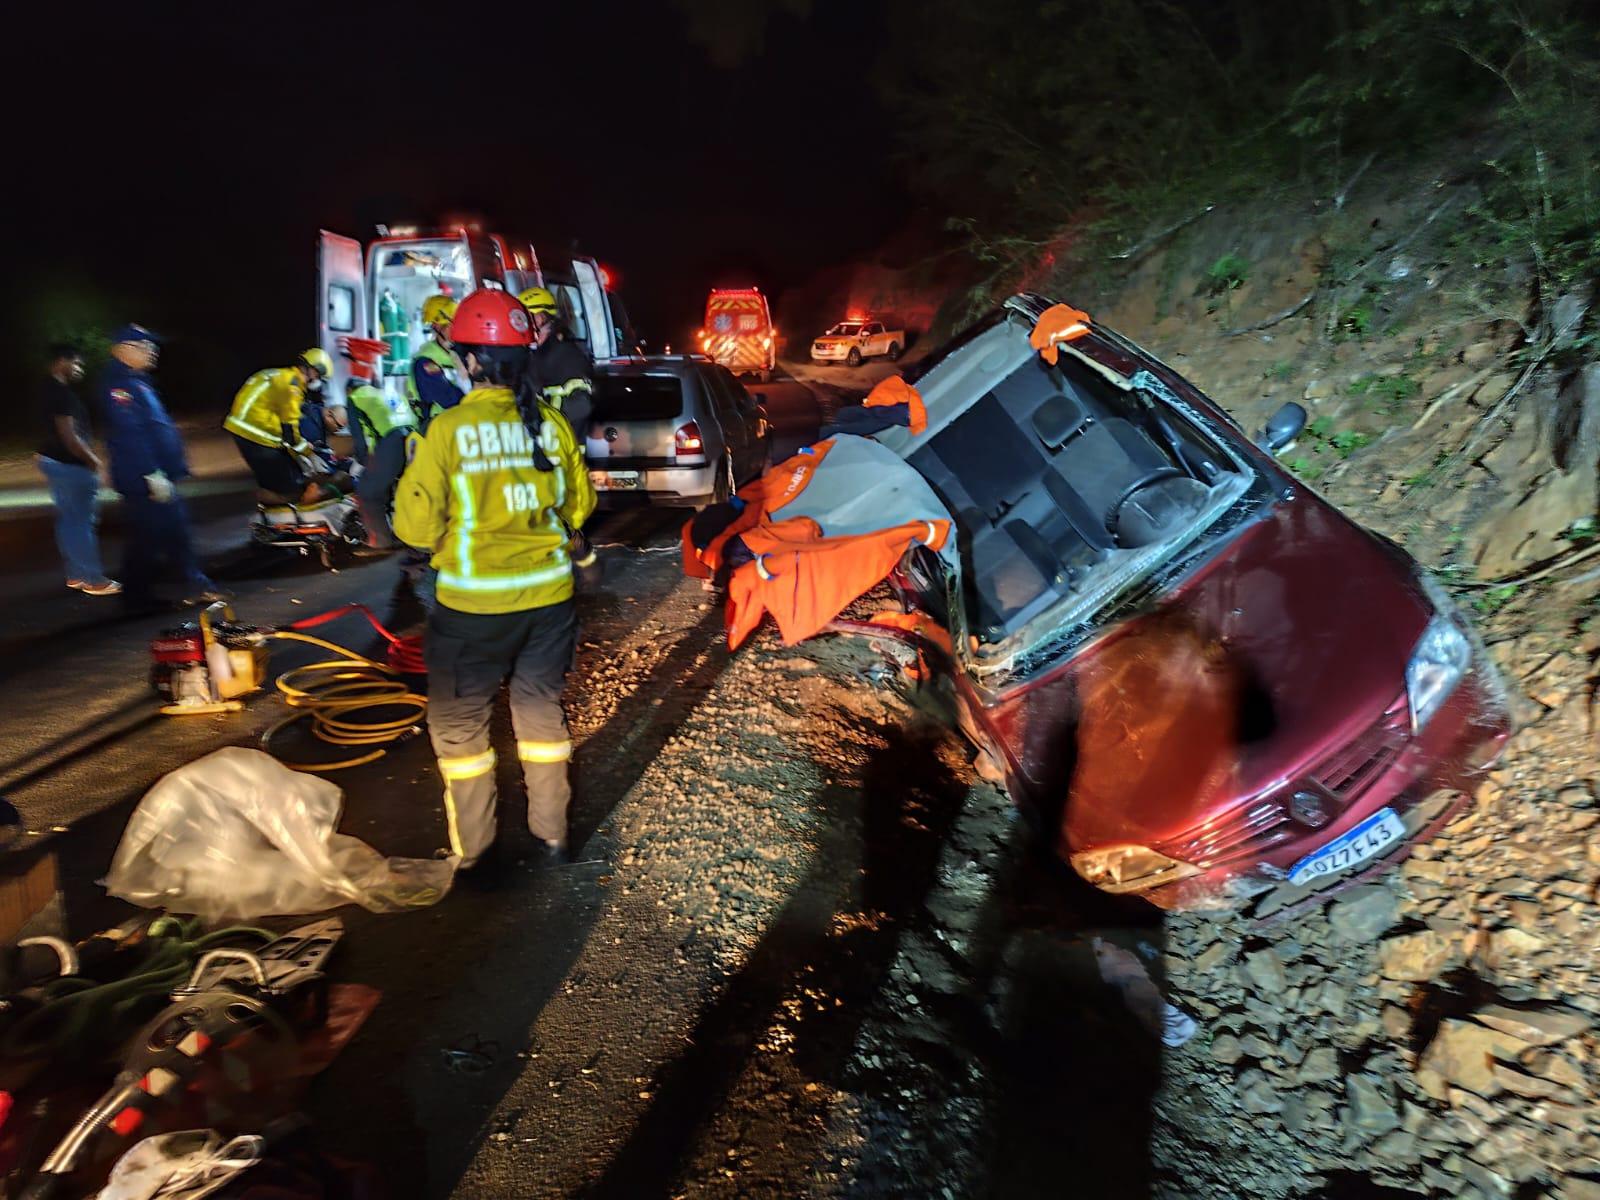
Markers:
(872, 343)
(597, 313)
(725, 391)
(341, 301)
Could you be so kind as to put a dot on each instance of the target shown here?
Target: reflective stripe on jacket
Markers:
(268, 401)
(496, 526)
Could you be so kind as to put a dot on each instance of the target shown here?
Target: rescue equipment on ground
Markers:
(237, 834)
(1058, 323)
(210, 665)
(396, 334)
(231, 1006)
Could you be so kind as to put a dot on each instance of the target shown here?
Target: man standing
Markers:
(147, 461)
(72, 469)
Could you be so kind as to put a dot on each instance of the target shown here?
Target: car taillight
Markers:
(687, 439)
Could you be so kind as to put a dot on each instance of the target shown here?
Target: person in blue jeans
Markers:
(147, 461)
(72, 469)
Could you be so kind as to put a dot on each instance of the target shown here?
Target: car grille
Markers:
(1345, 775)
(1251, 830)
(1349, 771)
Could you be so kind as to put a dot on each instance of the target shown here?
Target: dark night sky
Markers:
(177, 162)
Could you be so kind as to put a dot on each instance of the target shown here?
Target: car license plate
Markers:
(1376, 835)
(615, 481)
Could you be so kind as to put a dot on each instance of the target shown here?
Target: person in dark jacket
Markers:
(560, 369)
(72, 469)
(147, 461)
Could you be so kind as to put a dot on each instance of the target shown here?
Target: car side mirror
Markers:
(1282, 427)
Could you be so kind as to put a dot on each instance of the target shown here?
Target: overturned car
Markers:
(1199, 678)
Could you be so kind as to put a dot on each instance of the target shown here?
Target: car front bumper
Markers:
(1427, 786)
(830, 353)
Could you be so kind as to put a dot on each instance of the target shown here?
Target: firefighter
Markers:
(384, 424)
(434, 383)
(147, 460)
(495, 493)
(561, 369)
(265, 424)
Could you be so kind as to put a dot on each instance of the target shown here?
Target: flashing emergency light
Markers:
(608, 277)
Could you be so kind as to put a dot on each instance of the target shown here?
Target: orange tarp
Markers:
(805, 580)
(1057, 324)
(781, 483)
(895, 390)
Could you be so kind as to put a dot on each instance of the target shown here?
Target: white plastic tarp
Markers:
(238, 834)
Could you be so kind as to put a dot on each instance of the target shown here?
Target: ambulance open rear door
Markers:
(342, 307)
(596, 310)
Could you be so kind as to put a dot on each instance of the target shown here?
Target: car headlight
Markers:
(1129, 868)
(1436, 667)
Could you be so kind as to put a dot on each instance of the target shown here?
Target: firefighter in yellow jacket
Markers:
(497, 493)
(265, 424)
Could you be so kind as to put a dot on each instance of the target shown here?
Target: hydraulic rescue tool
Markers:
(233, 999)
(209, 666)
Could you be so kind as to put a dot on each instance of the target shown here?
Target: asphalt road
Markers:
(720, 996)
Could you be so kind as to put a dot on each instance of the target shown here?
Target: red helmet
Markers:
(490, 317)
(360, 372)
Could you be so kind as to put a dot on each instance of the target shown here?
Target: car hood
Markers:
(1285, 646)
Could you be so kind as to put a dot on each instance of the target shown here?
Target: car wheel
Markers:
(853, 359)
(894, 352)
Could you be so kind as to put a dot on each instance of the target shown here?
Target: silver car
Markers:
(678, 431)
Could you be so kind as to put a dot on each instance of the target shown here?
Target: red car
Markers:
(1200, 677)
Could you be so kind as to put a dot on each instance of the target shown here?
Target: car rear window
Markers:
(638, 398)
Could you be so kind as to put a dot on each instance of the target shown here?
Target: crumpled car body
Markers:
(1197, 676)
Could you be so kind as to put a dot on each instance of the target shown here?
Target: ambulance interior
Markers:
(402, 276)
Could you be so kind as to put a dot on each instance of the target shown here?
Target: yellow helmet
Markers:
(438, 310)
(538, 299)
(317, 358)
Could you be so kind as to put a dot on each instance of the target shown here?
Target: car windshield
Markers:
(846, 329)
(638, 398)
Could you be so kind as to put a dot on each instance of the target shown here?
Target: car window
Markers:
(720, 386)
(637, 398)
(874, 328)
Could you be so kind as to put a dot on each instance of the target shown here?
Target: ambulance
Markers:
(377, 291)
(738, 332)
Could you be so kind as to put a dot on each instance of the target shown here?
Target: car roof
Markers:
(683, 366)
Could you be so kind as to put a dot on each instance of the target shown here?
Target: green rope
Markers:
(73, 1006)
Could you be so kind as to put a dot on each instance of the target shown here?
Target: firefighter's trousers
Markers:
(469, 655)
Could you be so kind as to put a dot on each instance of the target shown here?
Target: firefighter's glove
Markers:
(585, 561)
(161, 489)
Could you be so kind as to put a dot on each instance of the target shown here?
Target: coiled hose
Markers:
(330, 693)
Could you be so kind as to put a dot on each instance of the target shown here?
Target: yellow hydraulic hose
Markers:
(334, 690)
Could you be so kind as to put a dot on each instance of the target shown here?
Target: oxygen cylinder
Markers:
(392, 327)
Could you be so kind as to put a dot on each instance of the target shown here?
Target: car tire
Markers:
(853, 359)
(894, 352)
